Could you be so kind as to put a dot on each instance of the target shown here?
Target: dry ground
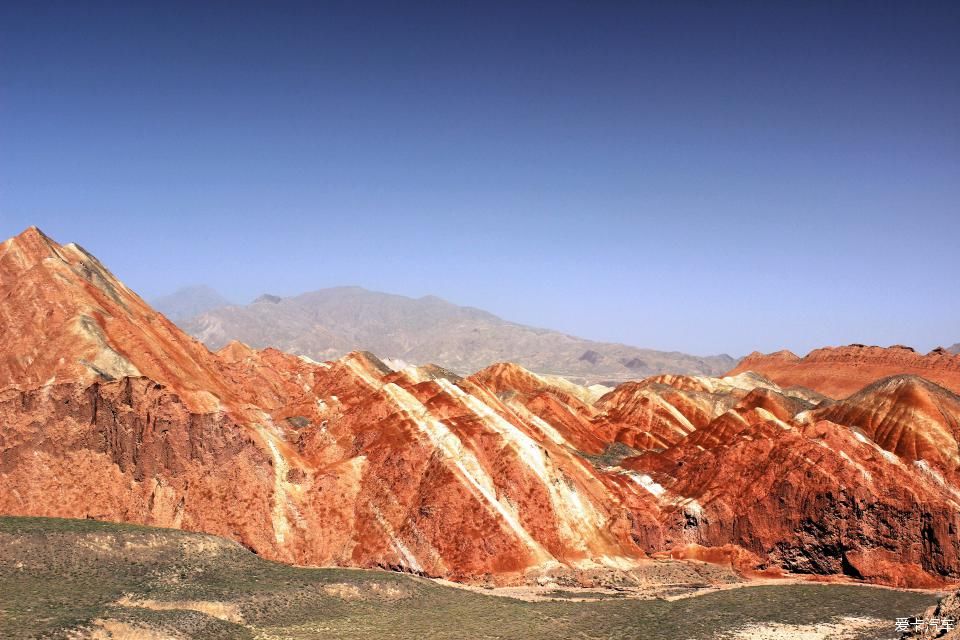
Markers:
(85, 579)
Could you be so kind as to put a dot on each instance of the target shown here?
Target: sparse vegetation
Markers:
(60, 576)
(612, 456)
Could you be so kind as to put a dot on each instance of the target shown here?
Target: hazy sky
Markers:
(706, 177)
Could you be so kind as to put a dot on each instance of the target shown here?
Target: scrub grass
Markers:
(68, 578)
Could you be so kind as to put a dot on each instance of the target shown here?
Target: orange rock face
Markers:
(838, 372)
(109, 411)
(810, 490)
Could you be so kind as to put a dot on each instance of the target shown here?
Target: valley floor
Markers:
(82, 579)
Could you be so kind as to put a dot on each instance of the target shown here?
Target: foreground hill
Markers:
(840, 371)
(501, 477)
(83, 579)
(330, 323)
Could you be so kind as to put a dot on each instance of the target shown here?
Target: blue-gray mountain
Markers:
(329, 323)
(188, 302)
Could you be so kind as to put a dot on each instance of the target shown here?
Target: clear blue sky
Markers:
(707, 177)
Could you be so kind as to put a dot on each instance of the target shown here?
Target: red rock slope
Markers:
(840, 371)
(109, 411)
(865, 488)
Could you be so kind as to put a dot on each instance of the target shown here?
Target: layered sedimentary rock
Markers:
(109, 411)
(866, 487)
(839, 371)
(908, 416)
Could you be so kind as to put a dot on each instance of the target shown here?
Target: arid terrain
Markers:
(82, 579)
(479, 320)
(502, 478)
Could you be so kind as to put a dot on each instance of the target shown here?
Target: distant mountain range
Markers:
(330, 323)
(188, 302)
(954, 349)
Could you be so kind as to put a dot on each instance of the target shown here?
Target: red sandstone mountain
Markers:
(840, 371)
(866, 487)
(808, 494)
(908, 416)
(109, 411)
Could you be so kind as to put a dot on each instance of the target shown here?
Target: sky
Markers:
(696, 176)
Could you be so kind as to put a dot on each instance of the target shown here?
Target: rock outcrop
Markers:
(940, 622)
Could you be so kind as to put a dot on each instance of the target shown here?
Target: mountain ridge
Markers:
(328, 323)
(840, 371)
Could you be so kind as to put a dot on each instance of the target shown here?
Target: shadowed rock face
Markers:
(838, 372)
(111, 412)
(130, 450)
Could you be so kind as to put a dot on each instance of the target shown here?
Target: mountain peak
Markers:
(28, 247)
(502, 376)
(79, 323)
(32, 232)
(905, 414)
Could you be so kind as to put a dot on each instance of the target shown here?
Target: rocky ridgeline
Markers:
(111, 412)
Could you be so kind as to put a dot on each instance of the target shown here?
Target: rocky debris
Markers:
(933, 620)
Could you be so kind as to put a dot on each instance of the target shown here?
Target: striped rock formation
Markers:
(109, 411)
(839, 371)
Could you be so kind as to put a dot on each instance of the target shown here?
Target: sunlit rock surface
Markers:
(109, 411)
(839, 371)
